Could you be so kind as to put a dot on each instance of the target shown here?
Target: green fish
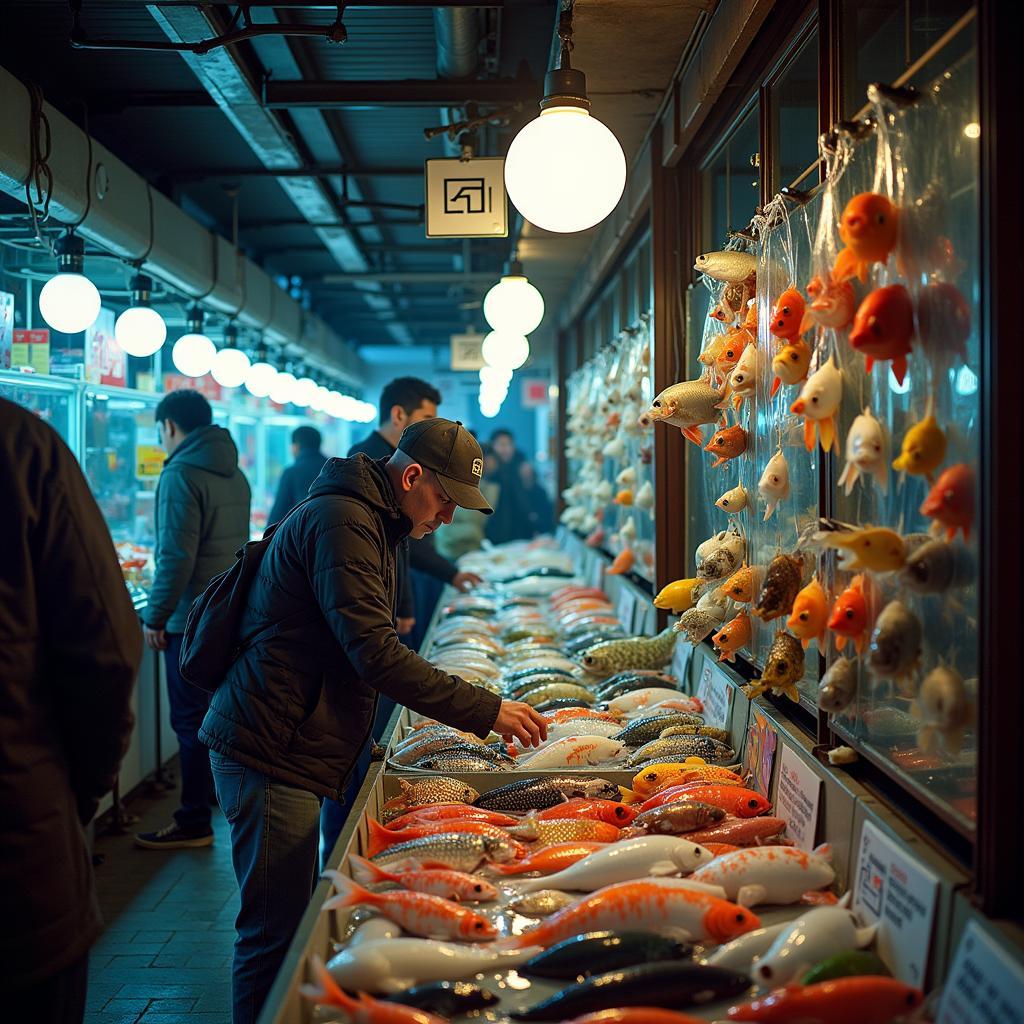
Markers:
(852, 963)
(610, 656)
(557, 691)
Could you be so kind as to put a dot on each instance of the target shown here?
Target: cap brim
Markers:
(464, 495)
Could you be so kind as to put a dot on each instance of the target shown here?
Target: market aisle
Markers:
(166, 953)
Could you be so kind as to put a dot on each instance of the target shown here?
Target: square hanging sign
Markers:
(466, 198)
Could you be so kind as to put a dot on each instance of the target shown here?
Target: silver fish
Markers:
(412, 752)
(680, 747)
(539, 793)
(456, 850)
(730, 266)
(542, 902)
(895, 642)
(650, 727)
(688, 404)
(449, 762)
(838, 686)
(934, 566)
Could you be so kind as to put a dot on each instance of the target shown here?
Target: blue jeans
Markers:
(274, 837)
(188, 706)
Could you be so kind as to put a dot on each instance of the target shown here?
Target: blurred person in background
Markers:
(202, 519)
(511, 519)
(466, 531)
(541, 510)
(297, 478)
(70, 645)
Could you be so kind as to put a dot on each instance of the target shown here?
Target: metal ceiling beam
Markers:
(450, 277)
(314, 171)
(410, 92)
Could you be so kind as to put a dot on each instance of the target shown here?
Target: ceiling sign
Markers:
(466, 198)
(466, 351)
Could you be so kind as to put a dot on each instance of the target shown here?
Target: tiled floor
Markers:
(166, 953)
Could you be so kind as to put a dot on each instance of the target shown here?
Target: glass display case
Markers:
(53, 400)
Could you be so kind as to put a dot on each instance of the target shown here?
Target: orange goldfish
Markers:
(710, 355)
(788, 315)
(868, 226)
(739, 587)
(790, 364)
(550, 859)
(850, 616)
(832, 304)
(950, 502)
(750, 320)
(624, 497)
(381, 838)
(596, 537)
(623, 562)
(732, 636)
(883, 328)
(810, 613)
(857, 1000)
(734, 800)
(737, 341)
(727, 444)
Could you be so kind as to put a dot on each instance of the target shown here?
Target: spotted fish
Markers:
(635, 652)
(781, 585)
(540, 793)
(785, 665)
(541, 903)
(679, 747)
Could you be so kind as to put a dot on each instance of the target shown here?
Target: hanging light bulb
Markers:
(505, 351)
(193, 352)
(261, 374)
(304, 392)
(513, 304)
(565, 170)
(140, 330)
(230, 364)
(69, 301)
(283, 388)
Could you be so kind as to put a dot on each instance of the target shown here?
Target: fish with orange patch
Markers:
(851, 615)
(624, 497)
(727, 444)
(869, 227)
(810, 614)
(788, 315)
(818, 404)
(884, 328)
(950, 502)
(736, 342)
(832, 304)
(790, 364)
(733, 636)
(623, 562)
(740, 586)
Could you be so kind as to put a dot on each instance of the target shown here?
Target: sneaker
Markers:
(174, 837)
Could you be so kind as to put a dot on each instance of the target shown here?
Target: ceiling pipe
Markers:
(457, 31)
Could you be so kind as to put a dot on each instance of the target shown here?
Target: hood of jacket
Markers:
(210, 448)
(363, 478)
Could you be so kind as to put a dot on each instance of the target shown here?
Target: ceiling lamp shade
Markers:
(283, 388)
(304, 392)
(565, 170)
(505, 351)
(230, 364)
(513, 304)
(193, 352)
(69, 302)
(140, 330)
(261, 374)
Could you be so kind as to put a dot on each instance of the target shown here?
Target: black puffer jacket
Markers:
(297, 705)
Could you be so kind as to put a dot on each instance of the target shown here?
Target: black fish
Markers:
(559, 703)
(523, 674)
(541, 793)
(643, 730)
(616, 687)
(669, 986)
(445, 998)
(599, 952)
(536, 682)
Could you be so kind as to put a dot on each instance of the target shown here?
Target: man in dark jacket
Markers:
(202, 519)
(318, 645)
(298, 477)
(70, 645)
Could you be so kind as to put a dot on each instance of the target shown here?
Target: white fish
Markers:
(734, 500)
(375, 929)
(818, 403)
(628, 532)
(626, 860)
(739, 954)
(574, 726)
(627, 477)
(603, 492)
(768, 874)
(573, 752)
(820, 933)
(644, 498)
(615, 448)
(642, 698)
(744, 377)
(866, 452)
(773, 486)
(394, 965)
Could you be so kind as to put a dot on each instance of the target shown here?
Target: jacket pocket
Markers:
(228, 780)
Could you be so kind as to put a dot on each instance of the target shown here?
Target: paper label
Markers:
(681, 658)
(149, 461)
(625, 608)
(985, 983)
(716, 693)
(596, 577)
(893, 889)
(797, 797)
(759, 753)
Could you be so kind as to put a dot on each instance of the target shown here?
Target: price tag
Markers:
(596, 577)
(796, 800)
(716, 694)
(894, 889)
(149, 461)
(681, 658)
(759, 752)
(625, 608)
(985, 983)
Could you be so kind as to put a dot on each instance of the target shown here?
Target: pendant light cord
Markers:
(88, 170)
(40, 176)
(565, 38)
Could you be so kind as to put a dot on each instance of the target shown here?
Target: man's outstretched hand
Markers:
(519, 721)
(466, 581)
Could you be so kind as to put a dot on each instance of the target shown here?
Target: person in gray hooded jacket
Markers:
(202, 519)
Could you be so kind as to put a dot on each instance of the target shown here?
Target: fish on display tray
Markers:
(455, 850)
(407, 754)
(757, 831)
(736, 800)
(680, 747)
(573, 727)
(560, 704)
(558, 691)
(662, 985)
(866, 453)
(597, 810)
(838, 686)
(599, 952)
(550, 859)
(783, 668)
(611, 656)
(381, 838)
(678, 818)
(643, 698)
(438, 790)
(542, 903)
(555, 831)
(442, 812)
(539, 793)
(446, 998)
(690, 729)
(519, 690)
(456, 762)
(656, 778)
(444, 882)
(769, 874)
(625, 860)
(650, 726)
(842, 1001)
(950, 502)
(529, 674)
(611, 690)
(583, 715)
(742, 953)
(782, 581)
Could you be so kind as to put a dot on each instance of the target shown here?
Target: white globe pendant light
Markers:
(262, 374)
(565, 170)
(304, 392)
(69, 302)
(193, 352)
(140, 330)
(230, 364)
(283, 388)
(504, 350)
(513, 304)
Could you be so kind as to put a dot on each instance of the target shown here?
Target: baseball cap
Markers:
(452, 452)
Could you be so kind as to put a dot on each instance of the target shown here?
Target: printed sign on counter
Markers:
(759, 752)
(985, 982)
(797, 797)
(625, 608)
(681, 658)
(894, 889)
(716, 693)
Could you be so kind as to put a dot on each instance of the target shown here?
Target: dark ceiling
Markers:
(198, 129)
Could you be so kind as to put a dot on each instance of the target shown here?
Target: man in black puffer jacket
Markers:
(318, 643)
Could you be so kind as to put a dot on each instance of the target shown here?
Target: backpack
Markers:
(208, 646)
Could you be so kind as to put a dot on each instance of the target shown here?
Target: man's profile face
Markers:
(426, 411)
(425, 502)
(504, 447)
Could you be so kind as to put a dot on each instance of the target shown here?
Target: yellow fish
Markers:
(924, 448)
(677, 597)
(655, 777)
(875, 549)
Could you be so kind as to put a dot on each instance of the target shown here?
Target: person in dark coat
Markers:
(202, 519)
(511, 519)
(540, 510)
(299, 476)
(286, 725)
(70, 645)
